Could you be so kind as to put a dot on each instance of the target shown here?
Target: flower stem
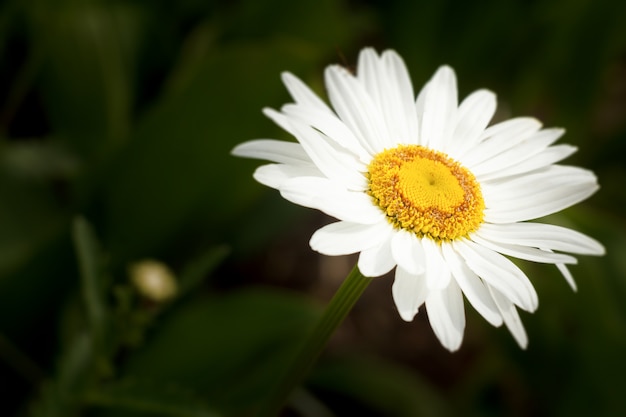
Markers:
(336, 311)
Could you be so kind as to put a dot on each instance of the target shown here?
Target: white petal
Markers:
(409, 293)
(331, 198)
(548, 178)
(275, 175)
(522, 252)
(337, 163)
(272, 150)
(440, 107)
(545, 236)
(474, 115)
(408, 252)
(504, 168)
(280, 119)
(511, 317)
(419, 108)
(330, 125)
(447, 315)
(437, 271)
(303, 94)
(356, 109)
(377, 260)
(512, 128)
(500, 137)
(477, 294)
(397, 71)
(568, 276)
(499, 272)
(387, 81)
(369, 73)
(536, 195)
(343, 238)
(524, 153)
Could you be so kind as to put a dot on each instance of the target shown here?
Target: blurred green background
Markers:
(116, 122)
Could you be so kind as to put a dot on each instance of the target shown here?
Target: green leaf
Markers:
(178, 174)
(34, 160)
(30, 219)
(229, 348)
(92, 280)
(298, 20)
(137, 397)
(87, 70)
(62, 396)
(378, 386)
(199, 268)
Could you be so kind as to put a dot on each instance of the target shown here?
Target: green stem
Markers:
(333, 316)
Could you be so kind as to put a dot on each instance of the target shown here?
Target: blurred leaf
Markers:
(298, 20)
(178, 168)
(86, 77)
(30, 216)
(229, 348)
(75, 368)
(378, 386)
(136, 106)
(305, 404)
(92, 278)
(62, 396)
(199, 268)
(38, 161)
(134, 397)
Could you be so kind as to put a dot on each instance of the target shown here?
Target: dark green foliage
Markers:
(116, 123)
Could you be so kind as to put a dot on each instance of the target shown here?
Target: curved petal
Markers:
(377, 260)
(397, 71)
(545, 158)
(337, 163)
(331, 198)
(510, 316)
(437, 271)
(330, 125)
(500, 137)
(420, 100)
(523, 252)
(280, 119)
(447, 315)
(544, 236)
(474, 114)
(475, 291)
(303, 94)
(536, 195)
(272, 150)
(408, 251)
(387, 81)
(440, 109)
(523, 154)
(355, 107)
(275, 175)
(343, 238)
(409, 293)
(499, 272)
(568, 276)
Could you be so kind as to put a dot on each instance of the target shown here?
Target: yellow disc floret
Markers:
(426, 192)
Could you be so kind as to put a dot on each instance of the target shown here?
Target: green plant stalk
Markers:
(336, 311)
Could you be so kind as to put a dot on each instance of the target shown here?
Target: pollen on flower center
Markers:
(426, 192)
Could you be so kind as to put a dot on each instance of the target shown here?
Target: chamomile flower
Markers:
(424, 185)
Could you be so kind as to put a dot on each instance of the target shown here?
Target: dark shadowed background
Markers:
(116, 122)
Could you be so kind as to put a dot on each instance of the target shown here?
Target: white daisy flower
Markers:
(426, 187)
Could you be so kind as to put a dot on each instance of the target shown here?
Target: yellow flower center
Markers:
(426, 192)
